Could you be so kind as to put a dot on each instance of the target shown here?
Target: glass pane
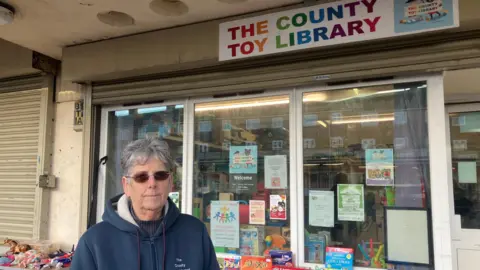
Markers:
(465, 140)
(364, 149)
(241, 168)
(125, 126)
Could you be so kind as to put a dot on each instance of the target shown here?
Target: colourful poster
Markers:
(421, 15)
(379, 167)
(276, 172)
(321, 208)
(278, 207)
(243, 159)
(339, 258)
(224, 224)
(351, 206)
(257, 212)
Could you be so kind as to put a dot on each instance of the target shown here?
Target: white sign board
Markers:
(331, 24)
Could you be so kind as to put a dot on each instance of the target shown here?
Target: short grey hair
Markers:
(140, 151)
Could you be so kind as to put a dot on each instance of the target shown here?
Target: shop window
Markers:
(465, 144)
(364, 149)
(128, 125)
(241, 169)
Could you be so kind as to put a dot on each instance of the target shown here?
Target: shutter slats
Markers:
(19, 142)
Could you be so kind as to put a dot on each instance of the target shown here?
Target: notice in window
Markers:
(379, 167)
(276, 172)
(321, 208)
(278, 207)
(224, 224)
(243, 159)
(351, 205)
(467, 172)
(257, 212)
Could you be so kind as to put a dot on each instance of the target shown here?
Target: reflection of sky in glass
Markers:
(121, 113)
(151, 110)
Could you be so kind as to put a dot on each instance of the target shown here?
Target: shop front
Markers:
(328, 161)
(301, 169)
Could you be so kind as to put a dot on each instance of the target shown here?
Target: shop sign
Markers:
(333, 23)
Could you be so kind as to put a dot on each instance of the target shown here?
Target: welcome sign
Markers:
(333, 23)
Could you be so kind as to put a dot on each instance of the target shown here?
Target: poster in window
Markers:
(243, 159)
(276, 172)
(277, 122)
(224, 224)
(257, 212)
(379, 167)
(418, 15)
(339, 258)
(243, 183)
(321, 208)
(351, 202)
(253, 124)
(278, 207)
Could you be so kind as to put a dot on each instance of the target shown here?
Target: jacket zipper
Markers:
(154, 254)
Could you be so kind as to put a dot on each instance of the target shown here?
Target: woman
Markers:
(147, 230)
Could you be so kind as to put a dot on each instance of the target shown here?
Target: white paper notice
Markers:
(321, 208)
(276, 172)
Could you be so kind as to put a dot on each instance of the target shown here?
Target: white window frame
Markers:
(101, 200)
(293, 158)
(441, 221)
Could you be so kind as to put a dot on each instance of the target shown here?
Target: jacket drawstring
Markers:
(138, 254)
(164, 244)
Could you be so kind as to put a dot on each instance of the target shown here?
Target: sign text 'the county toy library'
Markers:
(333, 23)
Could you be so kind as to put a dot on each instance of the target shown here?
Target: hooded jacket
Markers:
(181, 243)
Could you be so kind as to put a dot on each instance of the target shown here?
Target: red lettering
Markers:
(233, 31)
(352, 6)
(250, 30)
(247, 47)
(233, 49)
(369, 4)
(355, 26)
(373, 25)
(261, 44)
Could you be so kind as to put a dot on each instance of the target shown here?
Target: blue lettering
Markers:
(304, 37)
(338, 12)
(321, 13)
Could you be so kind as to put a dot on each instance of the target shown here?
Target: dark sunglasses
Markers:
(143, 176)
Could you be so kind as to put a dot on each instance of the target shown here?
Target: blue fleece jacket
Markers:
(181, 243)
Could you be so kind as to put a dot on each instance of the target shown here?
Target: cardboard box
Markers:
(226, 196)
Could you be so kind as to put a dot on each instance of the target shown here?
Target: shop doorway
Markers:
(464, 130)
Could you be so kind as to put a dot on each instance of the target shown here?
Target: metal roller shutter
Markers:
(302, 69)
(22, 149)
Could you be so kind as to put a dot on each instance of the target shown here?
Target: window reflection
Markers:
(125, 126)
(381, 130)
(465, 143)
(241, 164)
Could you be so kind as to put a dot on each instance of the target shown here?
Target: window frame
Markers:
(290, 92)
(101, 187)
(441, 219)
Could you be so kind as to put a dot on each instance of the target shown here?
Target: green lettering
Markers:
(303, 21)
(279, 43)
(279, 23)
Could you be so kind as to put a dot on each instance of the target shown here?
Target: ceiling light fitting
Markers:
(6, 14)
(232, 1)
(116, 18)
(169, 7)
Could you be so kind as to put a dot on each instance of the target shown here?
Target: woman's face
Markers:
(151, 195)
